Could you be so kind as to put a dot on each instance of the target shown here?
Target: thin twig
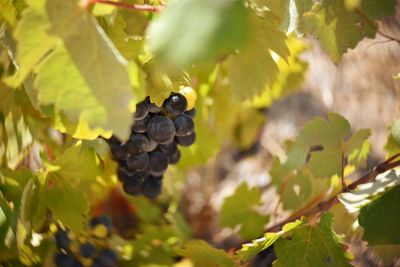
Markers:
(375, 25)
(326, 205)
(136, 7)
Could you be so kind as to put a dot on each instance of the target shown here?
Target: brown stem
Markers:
(326, 205)
(375, 25)
(136, 7)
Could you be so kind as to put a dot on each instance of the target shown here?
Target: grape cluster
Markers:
(153, 144)
(88, 250)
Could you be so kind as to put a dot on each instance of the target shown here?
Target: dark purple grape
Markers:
(118, 152)
(138, 162)
(174, 157)
(137, 144)
(62, 239)
(142, 110)
(191, 113)
(152, 145)
(133, 185)
(184, 125)
(108, 258)
(161, 129)
(63, 260)
(158, 161)
(143, 173)
(123, 173)
(152, 187)
(153, 108)
(104, 220)
(87, 250)
(158, 173)
(186, 140)
(140, 126)
(77, 263)
(168, 149)
(176, 104)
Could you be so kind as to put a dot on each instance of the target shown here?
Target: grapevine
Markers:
(193, 133)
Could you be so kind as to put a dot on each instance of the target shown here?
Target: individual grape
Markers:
(158, 161)
(87, 250)
(138, 162)
(100, 231)
(153, 108)
(174, 157)
(77, 263)
(142, 109)
(122, 173)
(62, 239)
(140, 126)
(137, 144)
(191, 113)
(157, 173)
(152, 187)
(168, 149)
(118, 152)
(108, 258)
(161, 129)
(186, 140)
(101, 220)
(184, 125)
(63, 260)
(133, 185)
(152, 145)
(176, 104)
(142, 174)
(190, 94)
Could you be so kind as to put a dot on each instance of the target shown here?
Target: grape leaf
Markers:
(86, 168)
(33, 42)
(191, 31)
(365, 193)
(330, 135)
(290, 77)
(338, 28)
(311, 245)
(8, 12)
(392, 146)
(239, 209)
(250, 250)
(296, 187)
(381, 219)
(67, 203)
(202, 254)
(86, 67)
(254, 68)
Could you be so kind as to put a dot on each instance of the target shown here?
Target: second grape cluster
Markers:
(153, 143)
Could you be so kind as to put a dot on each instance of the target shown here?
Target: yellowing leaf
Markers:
(239, 209)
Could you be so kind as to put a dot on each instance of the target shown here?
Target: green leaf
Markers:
(8, 12)
(339, 29)
(365, 193)
(67, 204)
(330, 135)
(202, 254)
(86, 168)
(191, 31)
(290, 78)
(239, 209)
(381, 219)
(33, 41)
(311, 245)
(253, 68)
(250, 250)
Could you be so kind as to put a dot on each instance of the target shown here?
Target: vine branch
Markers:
(135, 7)
(375, 25)
(323, 206)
